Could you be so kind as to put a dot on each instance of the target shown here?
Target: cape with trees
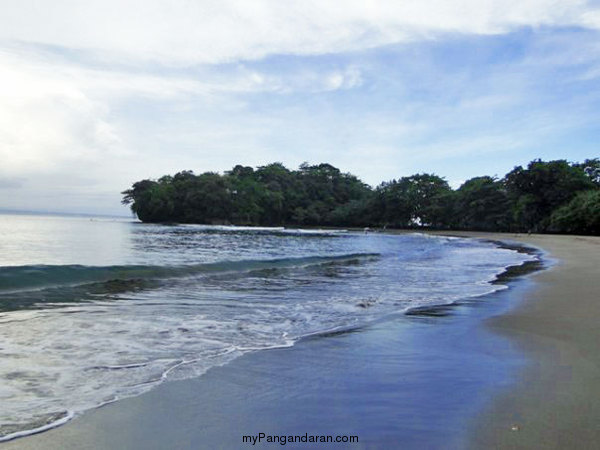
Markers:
(546, 196)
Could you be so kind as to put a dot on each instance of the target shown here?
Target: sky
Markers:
(96, 95)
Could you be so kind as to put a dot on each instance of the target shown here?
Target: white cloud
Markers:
(214, 31)
(54, 112)
(591, 19)
(46, 120)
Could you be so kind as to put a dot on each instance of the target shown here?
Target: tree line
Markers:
(546, 196)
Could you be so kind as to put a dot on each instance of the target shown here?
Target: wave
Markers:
(42, 423)
(37, 277)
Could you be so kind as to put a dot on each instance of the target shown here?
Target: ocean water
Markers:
(93, 310)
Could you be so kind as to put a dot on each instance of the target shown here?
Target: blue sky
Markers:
(97, 95)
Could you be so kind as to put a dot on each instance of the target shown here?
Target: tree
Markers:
(581, 215)
(482, 204)
(207, 200)
(545, 196)
(544, 186)
(411, 200)
(591, 168)
(325, 189)
(149, 200)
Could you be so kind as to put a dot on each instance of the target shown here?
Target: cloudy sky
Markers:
(95, 95)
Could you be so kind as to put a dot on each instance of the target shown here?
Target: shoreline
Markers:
(494, 418)
(553, 403)
(508, 274)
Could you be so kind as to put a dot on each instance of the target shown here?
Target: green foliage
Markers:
(269, 195)
(542, 187)
(151, 201)
(410, 201)
(552, 196)
(482, 203)
(591, 168)
(581, 215)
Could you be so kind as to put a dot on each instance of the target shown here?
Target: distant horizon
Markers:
(63, 213)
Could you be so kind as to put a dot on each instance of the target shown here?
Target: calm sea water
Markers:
(93, 310)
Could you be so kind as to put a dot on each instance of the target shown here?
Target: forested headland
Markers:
(546, 196)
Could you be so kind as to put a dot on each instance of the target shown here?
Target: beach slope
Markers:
(554, 404)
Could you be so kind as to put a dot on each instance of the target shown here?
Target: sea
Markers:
(93, 309)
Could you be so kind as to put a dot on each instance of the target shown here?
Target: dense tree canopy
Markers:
(269, 195)
(409, 201)
(553, 196)
(482, 203)
(541, 188)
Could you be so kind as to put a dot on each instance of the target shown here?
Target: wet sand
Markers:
(410, 381)
(406, 382)
(555, 401)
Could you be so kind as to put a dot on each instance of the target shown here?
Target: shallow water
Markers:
(92, 310)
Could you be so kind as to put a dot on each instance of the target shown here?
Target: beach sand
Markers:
(555, 403)
(408, 382)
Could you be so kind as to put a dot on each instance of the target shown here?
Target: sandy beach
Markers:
(523, 362)
(554, 402)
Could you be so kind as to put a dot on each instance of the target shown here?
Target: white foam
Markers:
(233, 228)
(17, 434)
(314, 231)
